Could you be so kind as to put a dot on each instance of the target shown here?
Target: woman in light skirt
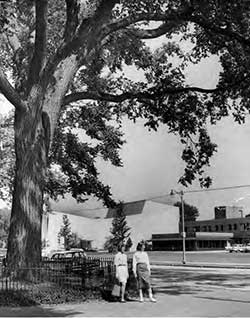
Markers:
(121, 269)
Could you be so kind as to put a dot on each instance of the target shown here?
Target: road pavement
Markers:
(180, 291)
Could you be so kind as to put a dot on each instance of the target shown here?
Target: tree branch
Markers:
(218, 30)
(154, 33)
(90, 25)
(72, 19)
(133, 95)
(169, 18)
(40, 49)
(10, 93)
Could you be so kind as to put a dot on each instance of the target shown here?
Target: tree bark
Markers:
(31, 146)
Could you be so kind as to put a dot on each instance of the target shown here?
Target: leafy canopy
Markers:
(101, 94)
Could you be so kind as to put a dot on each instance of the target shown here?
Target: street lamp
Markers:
(181, 194)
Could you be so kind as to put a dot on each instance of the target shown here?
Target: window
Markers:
(209, 228)
(230, 227)
(222, 228)
(216, 228)
(204, 228)
(235, 226)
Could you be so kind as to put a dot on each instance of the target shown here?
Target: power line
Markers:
(169, 195)
(217, 189)
(200, 190)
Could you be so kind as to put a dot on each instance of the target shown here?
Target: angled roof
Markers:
(129, 208)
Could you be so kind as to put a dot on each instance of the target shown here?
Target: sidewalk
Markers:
(209, 304)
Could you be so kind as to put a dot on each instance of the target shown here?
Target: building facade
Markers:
(228, 225)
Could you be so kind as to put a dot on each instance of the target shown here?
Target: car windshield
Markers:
(69, 255)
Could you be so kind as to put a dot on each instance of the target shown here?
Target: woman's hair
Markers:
(119, 247)
(139, 246)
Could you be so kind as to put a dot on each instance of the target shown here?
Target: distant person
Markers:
(121, 269)
(142, 272)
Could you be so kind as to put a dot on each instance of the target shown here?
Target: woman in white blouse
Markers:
(142, 272)
(121, 269)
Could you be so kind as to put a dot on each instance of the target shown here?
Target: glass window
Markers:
(222, 228)
(235, 226)
(230, 227)
(216, 228)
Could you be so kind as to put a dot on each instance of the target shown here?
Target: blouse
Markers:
(140, 257)
(120, 259)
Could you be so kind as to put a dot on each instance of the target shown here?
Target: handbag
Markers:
(116, 290)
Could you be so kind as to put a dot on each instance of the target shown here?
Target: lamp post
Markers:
(181, 194)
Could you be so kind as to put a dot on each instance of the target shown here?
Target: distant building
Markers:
(143, 217)
(228, 224)
(227, 212)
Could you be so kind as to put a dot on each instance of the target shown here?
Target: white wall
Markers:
(156, 218)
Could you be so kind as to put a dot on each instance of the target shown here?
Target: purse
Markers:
(116, 290)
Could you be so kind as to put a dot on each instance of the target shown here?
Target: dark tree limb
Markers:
(72, 19)
(154, 33)
(40, 49)
(10, 93)
(131, 95)
(168, 18)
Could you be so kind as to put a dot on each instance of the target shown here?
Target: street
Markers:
(180, 292)
(219, 257)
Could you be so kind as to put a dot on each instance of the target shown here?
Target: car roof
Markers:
(67, 252)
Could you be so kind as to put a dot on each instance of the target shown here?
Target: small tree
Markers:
(191, 212)
(65, 232)
(74, 241)
(119, 230)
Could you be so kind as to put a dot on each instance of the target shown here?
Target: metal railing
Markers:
(91, 273)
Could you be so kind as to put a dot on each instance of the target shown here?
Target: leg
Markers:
(123, 287)
(141, 295)
(151, 295)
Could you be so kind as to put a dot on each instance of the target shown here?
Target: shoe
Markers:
(153, 300)
(141, 300)
(123, 300)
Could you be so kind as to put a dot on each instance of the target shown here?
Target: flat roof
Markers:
(199, 236)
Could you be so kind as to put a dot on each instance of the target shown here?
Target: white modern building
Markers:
(143, 217)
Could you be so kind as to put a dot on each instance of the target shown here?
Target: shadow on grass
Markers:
(177, 282)
(37, 311)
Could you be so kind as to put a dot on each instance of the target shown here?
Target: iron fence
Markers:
(92, 272)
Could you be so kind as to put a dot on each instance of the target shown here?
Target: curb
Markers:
(203, 265)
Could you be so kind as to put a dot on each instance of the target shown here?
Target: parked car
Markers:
(238, 248)
(71, 261)
(229, 248)
(246, 248)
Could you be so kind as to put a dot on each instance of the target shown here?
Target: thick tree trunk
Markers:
(24, 241)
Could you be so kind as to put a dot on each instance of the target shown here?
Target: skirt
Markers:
(122, 274)
(143, 276)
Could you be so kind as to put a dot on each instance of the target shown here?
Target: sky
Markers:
(152, 164)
